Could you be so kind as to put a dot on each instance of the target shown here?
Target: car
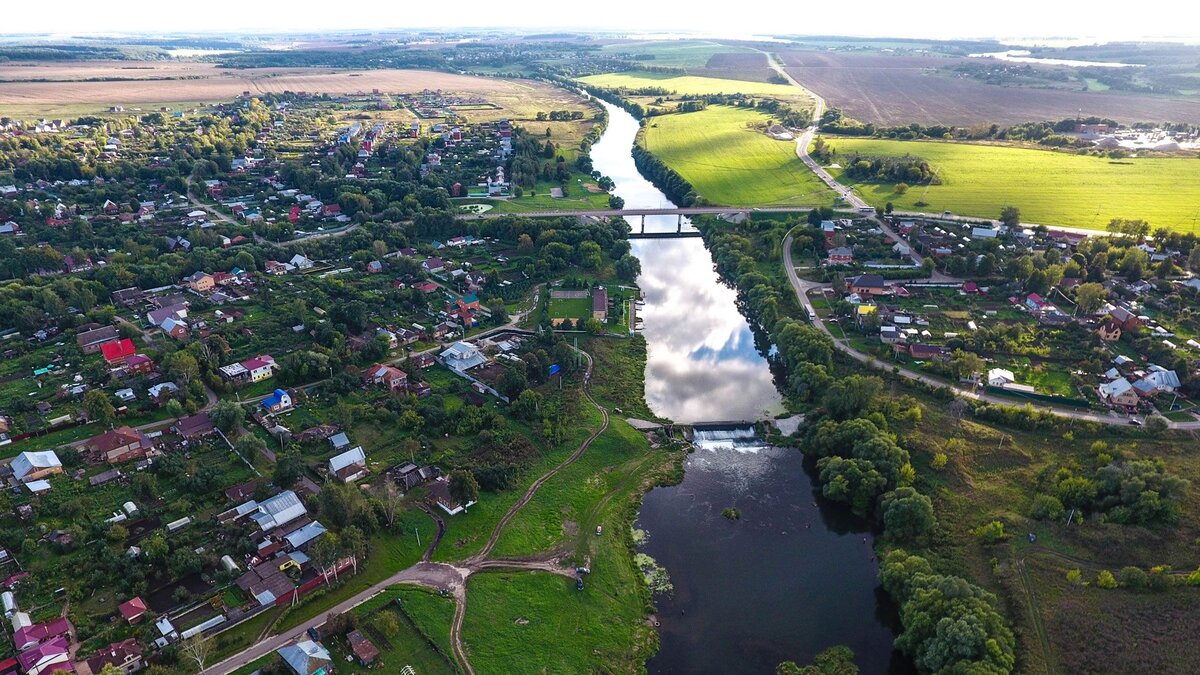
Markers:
(312, 633)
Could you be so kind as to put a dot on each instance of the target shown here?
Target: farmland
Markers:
(52, 89)
(674, 54)
(691, 84)
(900, 89)
(1051, 188)
(729, 162)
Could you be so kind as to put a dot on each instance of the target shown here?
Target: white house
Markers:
(300, 262)
(462, 356)
(349, 466)
(998, 377)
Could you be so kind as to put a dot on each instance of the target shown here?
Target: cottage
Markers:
(36, 465)
(600, 304)
(349, 466)
(867, 284)
(1109, 330)
(998, 377)
(439, 492)
(117, 351)
(391, 378)
(840, 255)
(118, 445)
(139, 364)
(32, 635)
(201, 282)
(462, 356)
(433, 265)
(125, 655)
(194, 426)
(276, 268)
(48, 657)
(1125, 318)
(1157, 381)
(162, 390)
(132, 610)
(278, 511)
(91, 341)
(279, 401)
(1119, 392)
(300, 262)
(307, 658)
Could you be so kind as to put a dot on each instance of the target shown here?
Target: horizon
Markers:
(873, 20)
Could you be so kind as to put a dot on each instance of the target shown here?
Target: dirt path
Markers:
(1034, 615)
(537, 484)
(437, 538)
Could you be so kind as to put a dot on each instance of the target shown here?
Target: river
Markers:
(794, 575)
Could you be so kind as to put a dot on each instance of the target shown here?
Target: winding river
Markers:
(794, 575)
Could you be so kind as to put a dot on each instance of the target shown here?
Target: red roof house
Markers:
(117, 352)
(132, 610)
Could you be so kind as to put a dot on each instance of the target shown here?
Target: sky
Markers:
(1098, 20)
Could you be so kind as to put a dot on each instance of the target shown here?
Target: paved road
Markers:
(802, 288)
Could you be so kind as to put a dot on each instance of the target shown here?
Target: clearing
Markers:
(1051, 188)
(725, 155)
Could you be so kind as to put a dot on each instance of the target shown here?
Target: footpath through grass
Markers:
(1051, 188)
(726, 155)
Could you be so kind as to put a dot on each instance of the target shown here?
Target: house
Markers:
(998, 377)
(307, 658)
(194, 426)
(364, 651)
(1119, 392)
(125, 655)
(1127, 319)
(278, 401)
(162, 390)
(867, 284)
(157, 317)
(139, 364)
(462, 356)
(374, 267)
(889, 334)
(928, 352)
(1109, 330)
(1035, 302)
(393, 379)
(132, 610)
(423, 360)
(984, 233)
(117, 351)
(175, 328)
(276, 268)
(201, 282)
(260, 367)
(32, 635)
(47, 657)
(91, 341)
(36, 465)
(127, 297)
(828, 228)
(125, 395)
(433, 265)
(340, 441)
(600, 304)
(1157, 381)
(439, 492)
(300, 262)
(278, 511)
(840, 255)
(118, 445)
(426, 286)
(970, 288)
(350, 465)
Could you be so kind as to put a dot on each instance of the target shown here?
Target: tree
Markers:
(1010, 216)
(182, 367)
(99, 407)
(227, 416)
(1194, 258)
(512, 382)
(463, 487)
(1090, 296)
(387, 624)
(628, 267)
(197, 648)
(390, 499)
(528, 405)
(289, 466)
(354, 545)
(965, 364)
(249, 445)
(907, 514)
(327, 550)
(837, 660)
(900, 188)
(850, 396)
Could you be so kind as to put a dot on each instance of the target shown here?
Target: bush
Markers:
(991, 532)
(1047, 507)
(1105, 579)
(1133, 577)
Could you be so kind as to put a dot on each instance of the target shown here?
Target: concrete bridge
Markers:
(642, 213)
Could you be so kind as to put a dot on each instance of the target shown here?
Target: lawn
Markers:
(691, 84)
(728, 162)
(571, 308)
(1051, 188)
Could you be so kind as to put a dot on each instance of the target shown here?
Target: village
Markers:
(927, 294)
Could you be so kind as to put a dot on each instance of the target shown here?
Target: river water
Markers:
(794, 575)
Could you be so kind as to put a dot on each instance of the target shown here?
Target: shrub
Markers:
(990, 532)
(1046, 507)
(1133, 577)
(1105, 579)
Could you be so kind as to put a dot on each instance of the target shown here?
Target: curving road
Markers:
(802, 288)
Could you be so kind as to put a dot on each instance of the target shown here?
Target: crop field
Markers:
(1050, 188)
(691, 84)
(55, 89)
(729, 162)
(896, 90)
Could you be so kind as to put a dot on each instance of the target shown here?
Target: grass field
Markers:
(691, 84)
(571, 308)
(729, 163)
(1051, 188)
(673, 53)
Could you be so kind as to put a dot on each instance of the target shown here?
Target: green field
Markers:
(729, 163)
(571, 308)
(691, 84)
(673, 53)
(1051, 188)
